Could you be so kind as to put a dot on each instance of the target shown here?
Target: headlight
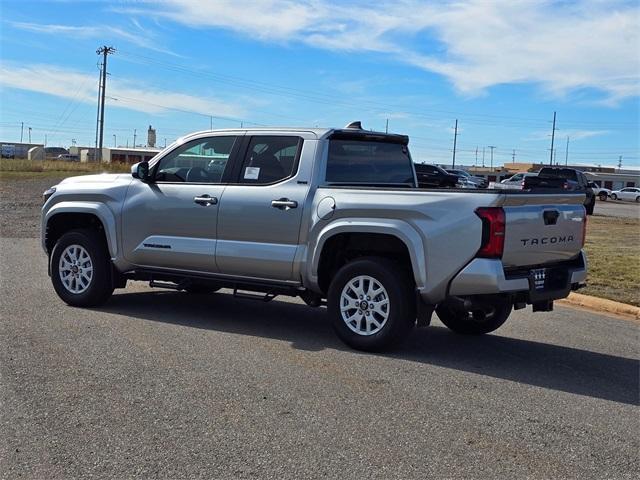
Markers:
(47, 194)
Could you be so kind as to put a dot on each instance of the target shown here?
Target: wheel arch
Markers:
(393, 238)
(65, 216)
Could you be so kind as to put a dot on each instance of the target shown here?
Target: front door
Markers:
(170, 222)
(260, 215)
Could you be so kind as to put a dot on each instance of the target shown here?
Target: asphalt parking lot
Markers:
(620, 209)
(166, 385)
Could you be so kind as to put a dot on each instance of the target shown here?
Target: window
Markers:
(270, 159)
(199, 161)
(358, 161)
(516, 178)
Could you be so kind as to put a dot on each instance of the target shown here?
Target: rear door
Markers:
(261, 211)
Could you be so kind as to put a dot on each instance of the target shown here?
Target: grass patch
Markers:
(613, 253)
(57, 167)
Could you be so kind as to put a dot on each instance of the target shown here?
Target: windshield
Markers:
(369, 162)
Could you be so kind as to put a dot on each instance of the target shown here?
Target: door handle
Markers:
(205, 200)
(284, 204)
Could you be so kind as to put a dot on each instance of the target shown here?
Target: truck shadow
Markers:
(533, 363)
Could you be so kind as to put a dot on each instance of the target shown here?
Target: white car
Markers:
(516, 182)
(600, 192)
(630, 194)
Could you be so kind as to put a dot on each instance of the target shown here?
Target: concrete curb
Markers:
(602, 305)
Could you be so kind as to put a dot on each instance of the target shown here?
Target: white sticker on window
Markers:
(251, 173)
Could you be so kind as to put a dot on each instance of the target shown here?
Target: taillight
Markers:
(493, 226)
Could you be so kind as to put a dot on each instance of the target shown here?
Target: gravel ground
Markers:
(20, 204)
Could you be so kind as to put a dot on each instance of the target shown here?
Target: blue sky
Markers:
(501, 67)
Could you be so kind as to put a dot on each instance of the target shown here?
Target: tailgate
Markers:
(542, 229)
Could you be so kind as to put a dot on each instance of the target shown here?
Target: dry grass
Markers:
(613, 253)
(17, 168)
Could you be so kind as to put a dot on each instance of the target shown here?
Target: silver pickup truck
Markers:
(331, 215)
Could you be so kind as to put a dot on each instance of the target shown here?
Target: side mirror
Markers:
(140, 170)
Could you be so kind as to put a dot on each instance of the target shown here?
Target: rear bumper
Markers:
(484, 276)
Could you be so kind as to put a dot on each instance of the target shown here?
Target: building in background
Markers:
(128, 155)
(21, 150)
(151, 137)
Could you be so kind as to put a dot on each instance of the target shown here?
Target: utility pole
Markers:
(476, 162)
(513, 156)
(210, 122)
(555, 156)
(29, 134)
(482, 157)
(553, 136)
(566, 153)
(619, 162)
(455, 139)
(114, 140)
(104, 51)
(134, 138)
(386, 128)
(45, 139)
(165, 143)
(21, 130)
(492, 147)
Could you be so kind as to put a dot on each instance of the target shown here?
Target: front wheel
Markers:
(371, 304)
(81, 269)
(484, 315)
(603, 197)
(614, 196)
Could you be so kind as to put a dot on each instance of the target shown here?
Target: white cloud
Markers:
(563, 133)
(561, 46)
(137, 35)
(131, 95)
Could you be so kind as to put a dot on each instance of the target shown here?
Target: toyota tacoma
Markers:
(334, 216)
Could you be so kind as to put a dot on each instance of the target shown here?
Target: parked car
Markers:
(515, 182)
(464, 182)
(568, 179)
(324, 214)
(68, 157)
(479, 181)
(630, 194)
(432, 176)
(600, 192)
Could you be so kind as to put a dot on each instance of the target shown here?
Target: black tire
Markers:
(399, 290)
(465, 322)
(603, 197)
(200, 289)
(637, 199)
(100, 286)
(614, 196)
(591, 207)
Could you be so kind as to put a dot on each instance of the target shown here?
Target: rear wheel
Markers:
(591, 206)
(371, 303)
(81, 269)
(484, 316)
(637, 199)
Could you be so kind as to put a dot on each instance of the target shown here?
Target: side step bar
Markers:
(267, 297)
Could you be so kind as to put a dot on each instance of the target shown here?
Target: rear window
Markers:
(369, 162)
